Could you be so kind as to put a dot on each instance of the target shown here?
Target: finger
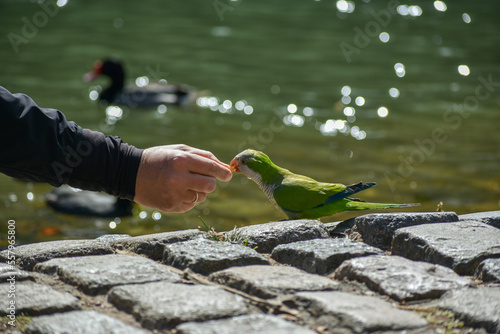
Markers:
(194, 197)
(209, 167)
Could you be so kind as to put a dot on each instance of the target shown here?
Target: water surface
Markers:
(340, 91)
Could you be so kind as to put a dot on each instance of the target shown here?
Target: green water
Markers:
(438, 143)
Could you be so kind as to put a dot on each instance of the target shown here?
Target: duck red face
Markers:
(96, 71)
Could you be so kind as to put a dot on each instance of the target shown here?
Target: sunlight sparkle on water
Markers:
(394, 92)
(382, 112)
(466, 18)
(94, 95)
(349, 111)
(143, 215)
(402, 10)
(308, 112)
(464, 70)
(292, 108)
(112, 225)
(400, 70)
(61, 3)
(162, 109)
(415, 10)
(248, 110)
(440, 6)
(384, 37)
(30, 196)
(142, 81)
(346, 90)
(345, 6)
(360, 101)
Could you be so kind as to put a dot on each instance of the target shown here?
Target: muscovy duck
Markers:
(150, 95)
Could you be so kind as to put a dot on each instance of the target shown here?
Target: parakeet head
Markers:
(252, 164)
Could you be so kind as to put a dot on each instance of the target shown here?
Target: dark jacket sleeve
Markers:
(39, 144)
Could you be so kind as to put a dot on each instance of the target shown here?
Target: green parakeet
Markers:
(300, 196)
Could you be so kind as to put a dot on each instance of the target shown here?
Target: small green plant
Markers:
(21, 323)
(232, 236)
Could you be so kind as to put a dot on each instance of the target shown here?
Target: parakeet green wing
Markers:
(300, 193)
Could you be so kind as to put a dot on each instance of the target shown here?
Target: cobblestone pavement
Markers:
(408, 273)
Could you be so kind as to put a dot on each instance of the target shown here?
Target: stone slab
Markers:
(321, 256)
(249, 324)
(36, 299)
(153, 245)
(378, 229)
(460, 245)
(477, 307)
(27, 256)
(109, 238)
(206, 256)
(162, 305)
(361, 314)
(400, 278)
(8, 272)
(272, 281)
(97, 274)
(81, 322)
(489, 217)
(267, 236)
(488, 270)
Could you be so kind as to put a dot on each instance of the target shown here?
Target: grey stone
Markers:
(400, 278)
(109, 238)
(378, 229)
(488, 270)
(153, 245)
(271, 281)
(339, 228)
(248, 324)
(81, 322)
(35, 299)
(321, 256)
(490, 217)
(30, 254)
(477, 307)
(460, 245)
(206, 256)
(7, 272)
(361, 314)
(161, 305)
(97, 274)
(267, 236)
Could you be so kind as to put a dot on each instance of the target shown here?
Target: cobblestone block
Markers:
(248, 324)
(321, 256)
(267, 236)
(30, 254)
(488, 270)
(36, 299)
(271, 281)
(378, 229)
(153, 245)
(97, 274)
(460, 245)
(206, 256)
(400, 278)
(490, 217)
(477, 307)
(81, 322)
(161, 305)
(361, 314)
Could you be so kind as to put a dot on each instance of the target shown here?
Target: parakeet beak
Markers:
(234, 166)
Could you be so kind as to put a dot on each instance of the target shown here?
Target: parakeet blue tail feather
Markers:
(352, 189)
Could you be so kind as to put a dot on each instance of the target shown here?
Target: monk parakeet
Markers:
(300, 196)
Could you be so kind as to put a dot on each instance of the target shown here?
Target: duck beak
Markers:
(234, 166)
(96, 71)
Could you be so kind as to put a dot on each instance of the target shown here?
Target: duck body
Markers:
(87, 203)
(150, 95)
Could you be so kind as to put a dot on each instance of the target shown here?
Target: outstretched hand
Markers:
(173, 178)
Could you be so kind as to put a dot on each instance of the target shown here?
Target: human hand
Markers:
(170, 177)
